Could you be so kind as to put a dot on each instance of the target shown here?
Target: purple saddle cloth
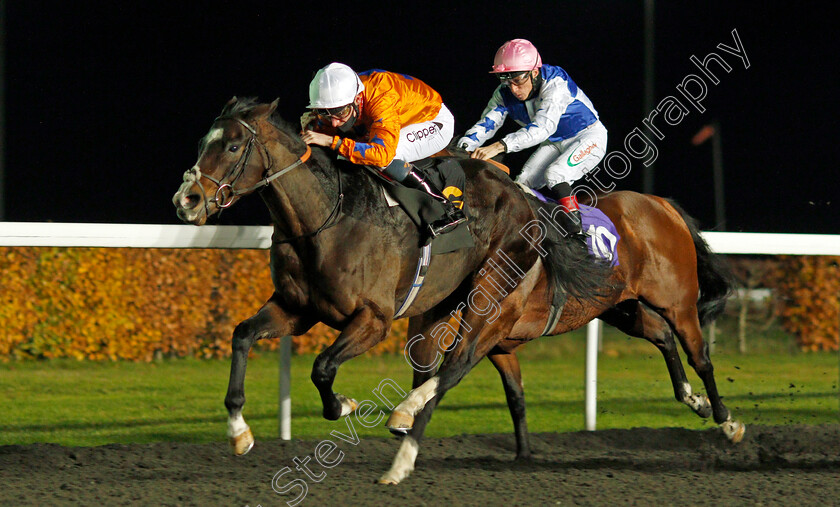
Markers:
(601, 235)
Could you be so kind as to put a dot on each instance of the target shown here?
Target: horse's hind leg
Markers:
(637, 319)
(507, 365)
(687, 327)
(271, 321)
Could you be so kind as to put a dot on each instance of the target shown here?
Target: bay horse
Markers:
(667, 283)
(340, 255)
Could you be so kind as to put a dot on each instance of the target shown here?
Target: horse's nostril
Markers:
(190, 201)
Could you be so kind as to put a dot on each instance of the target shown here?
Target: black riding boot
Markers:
(572, 225)
(454, 216)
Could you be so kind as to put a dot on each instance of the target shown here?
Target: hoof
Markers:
(348, 405)
(399, 432)
(242, 443)
(734, 430)
(395, 475)
(388, 478)
(700, 405)
(400, 421)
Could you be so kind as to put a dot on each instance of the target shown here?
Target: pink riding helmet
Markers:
(516, 55)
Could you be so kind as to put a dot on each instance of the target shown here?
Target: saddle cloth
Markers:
(601, 234)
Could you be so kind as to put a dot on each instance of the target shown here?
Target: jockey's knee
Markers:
(397, 169)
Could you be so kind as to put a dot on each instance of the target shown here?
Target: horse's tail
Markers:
(713, 273)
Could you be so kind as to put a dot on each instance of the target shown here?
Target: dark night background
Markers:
(105, 101)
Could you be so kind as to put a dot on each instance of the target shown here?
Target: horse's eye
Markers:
(234, 148)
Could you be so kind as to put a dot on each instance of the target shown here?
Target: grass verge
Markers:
(85, 403)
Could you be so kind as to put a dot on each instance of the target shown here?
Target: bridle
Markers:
(225, 186)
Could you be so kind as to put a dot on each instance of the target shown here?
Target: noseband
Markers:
(225, 191)
(225, 186)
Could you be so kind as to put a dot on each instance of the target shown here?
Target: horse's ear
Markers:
(230, 104)
(265, 110)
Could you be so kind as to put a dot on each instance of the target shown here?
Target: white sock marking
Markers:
(236, 425)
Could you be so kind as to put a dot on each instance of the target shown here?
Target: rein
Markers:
(225, 192)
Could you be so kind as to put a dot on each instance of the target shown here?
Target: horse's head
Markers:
(232, 162)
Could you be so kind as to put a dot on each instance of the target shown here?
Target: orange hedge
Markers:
(137, 304)
(809, 287)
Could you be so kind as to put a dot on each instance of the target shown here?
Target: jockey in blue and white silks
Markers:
(555, 115)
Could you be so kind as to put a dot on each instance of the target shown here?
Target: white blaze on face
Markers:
(194, 174)
(214, 135)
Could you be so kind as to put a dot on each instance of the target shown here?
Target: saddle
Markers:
(422, 209)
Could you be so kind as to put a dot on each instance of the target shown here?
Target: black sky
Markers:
(105, 101)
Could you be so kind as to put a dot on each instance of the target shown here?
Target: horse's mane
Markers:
(242, 107)
(362, 193)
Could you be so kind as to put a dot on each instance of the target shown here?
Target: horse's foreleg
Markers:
(480, 331)
(687, 327)
(367, 328)
(485, 321)
(414, 412)
(507, 365)
(270, 321)
(423, 355)
(403, 463)
(422, 351)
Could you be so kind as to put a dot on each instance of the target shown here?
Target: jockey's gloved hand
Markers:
(306, 119)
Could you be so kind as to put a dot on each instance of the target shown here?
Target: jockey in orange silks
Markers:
(381, 119)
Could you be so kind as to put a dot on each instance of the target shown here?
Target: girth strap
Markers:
(419, 276)
(553, 317)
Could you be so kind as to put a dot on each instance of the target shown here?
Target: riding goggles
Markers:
(339, 113)
(514, 78)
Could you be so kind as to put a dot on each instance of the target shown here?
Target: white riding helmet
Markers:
(335, 85)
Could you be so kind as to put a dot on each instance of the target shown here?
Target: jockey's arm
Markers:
(491, 119)
(555, 98)
(379, 146)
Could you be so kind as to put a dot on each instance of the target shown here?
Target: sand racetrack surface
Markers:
(773, 465)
